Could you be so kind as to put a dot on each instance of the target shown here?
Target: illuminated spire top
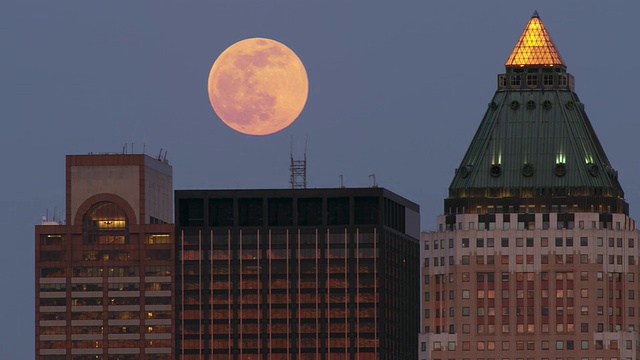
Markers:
(535, 46)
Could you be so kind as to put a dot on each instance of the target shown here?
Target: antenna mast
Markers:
(298, 169)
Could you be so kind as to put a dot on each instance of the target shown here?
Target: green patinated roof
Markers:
(535, 135)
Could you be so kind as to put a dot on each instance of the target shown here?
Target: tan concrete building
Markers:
(104, 276)
(536, 256)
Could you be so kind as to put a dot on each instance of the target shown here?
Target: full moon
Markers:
(258, 86)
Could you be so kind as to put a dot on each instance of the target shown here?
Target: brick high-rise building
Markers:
(535, 256)
(296, 274)
(104, 277)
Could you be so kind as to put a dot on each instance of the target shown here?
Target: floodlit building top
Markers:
(535, 47)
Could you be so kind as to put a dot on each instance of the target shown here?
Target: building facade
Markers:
(296, 274)
(104, 277)
(536, 256)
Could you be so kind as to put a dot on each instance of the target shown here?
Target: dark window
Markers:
(365, 210)
(191, 212)
(221, 212)
(338, 211)
(280, 211)
(250, 212)
(310, 211)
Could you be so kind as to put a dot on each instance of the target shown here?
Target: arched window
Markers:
(105, 223)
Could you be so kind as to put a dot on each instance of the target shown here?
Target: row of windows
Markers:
(530, 345)
(530, 294)
(531, 224)
(160, 270)
(520, 328)
(530, 242)
(128, 329)
(82, 344)
(530, 276)
(530, 311)
(531, 259)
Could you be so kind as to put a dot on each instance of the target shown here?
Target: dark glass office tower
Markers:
(297, 274)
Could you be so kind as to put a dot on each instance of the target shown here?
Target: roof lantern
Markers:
(535, 47)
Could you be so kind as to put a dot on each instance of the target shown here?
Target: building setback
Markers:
(536, 256)
(104, 277)
(296, 274)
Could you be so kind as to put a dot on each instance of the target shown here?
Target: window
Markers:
(465, 243)
(584, 241)
(106, 223)
(465, 260)
(584, 259)
(504, 242)
(584, 344)
(515, 80)
(584, 310)
(465, 294)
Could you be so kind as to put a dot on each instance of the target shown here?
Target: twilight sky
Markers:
(396, 89)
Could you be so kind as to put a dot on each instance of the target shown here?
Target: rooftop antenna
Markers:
(341, 181)
(160, 155)
(298, 169)
(372, 181)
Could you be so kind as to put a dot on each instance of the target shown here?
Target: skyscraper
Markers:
(535, 256)
(104, 277)
(296, 274)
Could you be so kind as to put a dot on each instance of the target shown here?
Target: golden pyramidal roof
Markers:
(535, 46)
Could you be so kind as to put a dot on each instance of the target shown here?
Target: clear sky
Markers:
(396, 89)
